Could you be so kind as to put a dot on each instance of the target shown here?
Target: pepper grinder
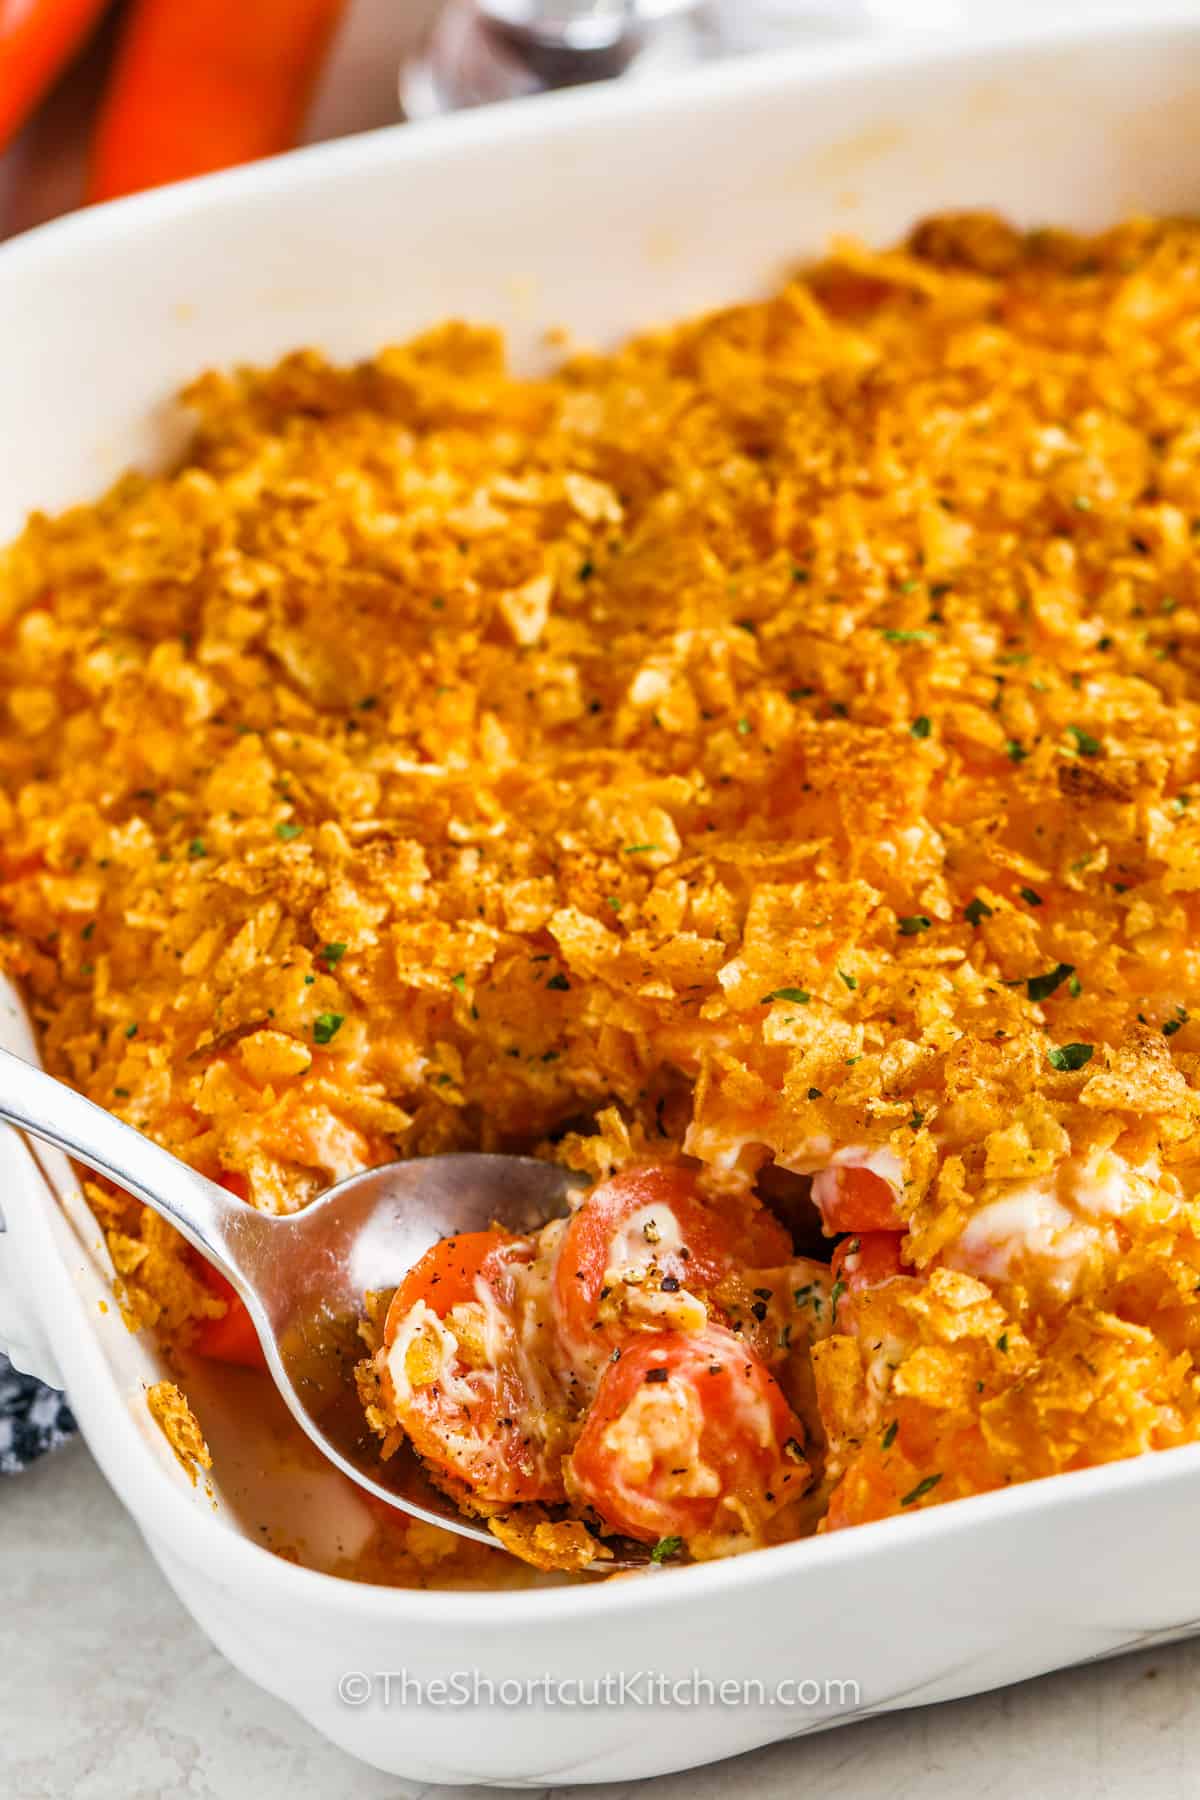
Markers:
(485, 50)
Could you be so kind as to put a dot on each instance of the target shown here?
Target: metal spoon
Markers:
(303, 1277)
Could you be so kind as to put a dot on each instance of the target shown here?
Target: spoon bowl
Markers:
(303, 1277)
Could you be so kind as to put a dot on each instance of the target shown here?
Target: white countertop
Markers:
(108, 1691)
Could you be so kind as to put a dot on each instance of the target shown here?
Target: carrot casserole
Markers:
(760, 767)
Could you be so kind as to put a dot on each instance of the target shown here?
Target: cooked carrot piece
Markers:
(445, 1276)
(231, 1338)
(477, 1425)
(651, 1215)
(851, 1198)
(868, 1260)
(37, 40)
(688, 1433)
(204, 86)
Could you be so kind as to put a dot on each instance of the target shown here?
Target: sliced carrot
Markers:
(688, 1429)
(206, 84)
(683, 1237)
(851, 1198)
(231, 1338)
(445, 1276)
(38, 38)
(862, 1267)
(478, 1425)
(869, 1259)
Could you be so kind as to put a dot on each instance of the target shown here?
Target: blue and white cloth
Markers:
(33, 1419)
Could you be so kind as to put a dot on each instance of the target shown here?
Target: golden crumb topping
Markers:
(181, 1428)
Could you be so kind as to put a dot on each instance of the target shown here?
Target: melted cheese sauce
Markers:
(424, 1351)
(502, 1340)
(519, 1326)
(1029, 1234)
(663, 1424)
(647, 1235)
(1046, 1233)
(646, 1240)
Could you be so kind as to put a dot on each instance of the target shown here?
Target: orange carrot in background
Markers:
(204, 84)
(37, 40)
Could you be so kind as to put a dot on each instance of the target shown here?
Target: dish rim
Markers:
(188, 1528)
(731, 79)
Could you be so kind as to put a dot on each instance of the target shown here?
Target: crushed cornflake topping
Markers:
(178, 1423)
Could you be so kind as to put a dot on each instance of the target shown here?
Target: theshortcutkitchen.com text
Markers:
(614, 1688)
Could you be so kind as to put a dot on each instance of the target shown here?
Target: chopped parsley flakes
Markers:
(1040, 987)
(326, 1026)
(1071, 1056)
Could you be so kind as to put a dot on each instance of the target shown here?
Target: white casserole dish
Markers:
(602, 212)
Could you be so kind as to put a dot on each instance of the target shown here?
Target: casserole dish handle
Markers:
(21, 1335)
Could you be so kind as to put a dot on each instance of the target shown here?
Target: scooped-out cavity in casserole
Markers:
(623, 1366)
(760, 767)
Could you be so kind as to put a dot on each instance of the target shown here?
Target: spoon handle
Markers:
(220, 1227)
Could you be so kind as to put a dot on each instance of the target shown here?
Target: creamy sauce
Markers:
(1047, 1232)
(518, 1328)
(662, 1424)
(423, 1351)
(650, 1238)
(649, 1235)
(1028, 1234)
